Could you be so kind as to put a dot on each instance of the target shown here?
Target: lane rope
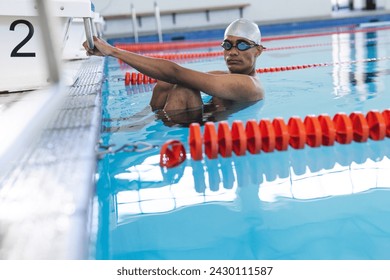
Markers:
(268, 136)
(136, 78)
(142, 47)
(189, 56)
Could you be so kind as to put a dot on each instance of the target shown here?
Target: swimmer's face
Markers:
(241, 61)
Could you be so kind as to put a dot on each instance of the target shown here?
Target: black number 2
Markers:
(15, 52)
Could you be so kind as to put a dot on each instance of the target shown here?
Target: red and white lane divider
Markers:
(134, 78)
(313, 65)
(268, 136)
(202, 55)
(149, 47)
(137, 79)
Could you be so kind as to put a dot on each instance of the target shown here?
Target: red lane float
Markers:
(268, 136)
(253, 135)
(225, 141)
(377, 125)
(313, 131)
(146, 80)
(267, 132)
(172, 153)
(134, 78)
(138, 79)
(297, 132)
(282, 136)
(386, 116)
(127, 78)
(344, 131)
(195, 141)
(210, 139)
(328, 130)
(359, 126)
(239, 138)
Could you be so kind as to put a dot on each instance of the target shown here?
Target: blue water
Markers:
(314, 203)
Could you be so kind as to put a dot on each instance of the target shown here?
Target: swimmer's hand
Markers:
(102, 48)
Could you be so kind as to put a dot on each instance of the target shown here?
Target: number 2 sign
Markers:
(15, 52)
(23, 63)
(22, 58)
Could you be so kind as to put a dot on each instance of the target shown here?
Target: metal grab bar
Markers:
(134, 19)
(89, 32)
(158, 22)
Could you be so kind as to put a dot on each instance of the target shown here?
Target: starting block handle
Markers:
(88, 32)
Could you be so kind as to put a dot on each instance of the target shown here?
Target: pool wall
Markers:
(269, 28)
(209, 15)
(45, 200)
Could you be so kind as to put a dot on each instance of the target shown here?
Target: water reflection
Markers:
(296, 174)
(359, 77)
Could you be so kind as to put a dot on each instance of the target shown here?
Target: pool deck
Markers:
(47, 188)
(46, 194)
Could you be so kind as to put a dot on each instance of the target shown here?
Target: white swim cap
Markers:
(244, 28)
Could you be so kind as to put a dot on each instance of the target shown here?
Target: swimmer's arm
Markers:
(250, 90)
(156, 68)
(236, 87)
(232, 87)
(220, 84)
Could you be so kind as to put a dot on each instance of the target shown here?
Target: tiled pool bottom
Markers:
(45, 199)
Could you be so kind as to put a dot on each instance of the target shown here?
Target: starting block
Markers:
(23, 61)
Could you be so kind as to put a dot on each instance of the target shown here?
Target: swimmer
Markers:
(177, 93)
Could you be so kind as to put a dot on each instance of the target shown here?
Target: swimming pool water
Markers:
(314, 203)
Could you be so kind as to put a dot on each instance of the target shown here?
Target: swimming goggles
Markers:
(241, 45)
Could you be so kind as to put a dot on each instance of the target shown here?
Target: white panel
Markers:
(61, 8)
(258, 11)
(23, 68)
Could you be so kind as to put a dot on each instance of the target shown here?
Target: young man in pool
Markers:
(178, 89)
